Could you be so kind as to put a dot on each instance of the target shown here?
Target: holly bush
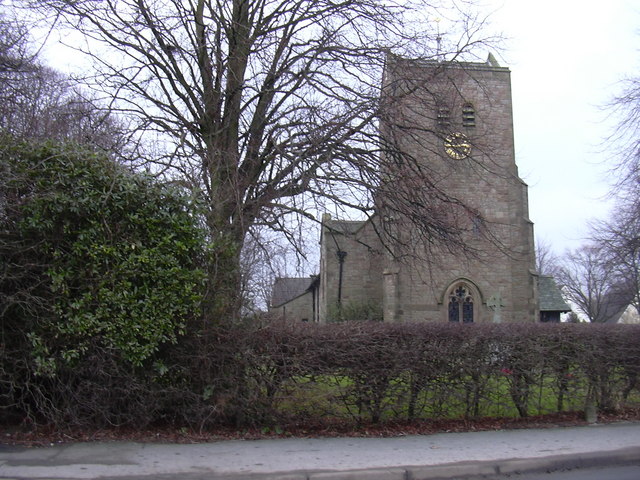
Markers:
(94, 256)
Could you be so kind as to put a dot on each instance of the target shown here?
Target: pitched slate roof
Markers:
(550, 296)
(615, 302)
(286, 289)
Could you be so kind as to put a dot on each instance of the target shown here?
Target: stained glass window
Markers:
(461, 304)
(454, 310)
(467, 311)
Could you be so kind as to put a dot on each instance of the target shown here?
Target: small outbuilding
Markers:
(295, 299)
(552, 303)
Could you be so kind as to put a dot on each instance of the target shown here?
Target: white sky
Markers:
(567, 58)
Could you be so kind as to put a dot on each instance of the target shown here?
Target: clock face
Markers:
(457, 146)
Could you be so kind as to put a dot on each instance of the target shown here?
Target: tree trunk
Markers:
(520, 394)
(223, 298)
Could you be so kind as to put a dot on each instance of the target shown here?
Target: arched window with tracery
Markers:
(461, 304)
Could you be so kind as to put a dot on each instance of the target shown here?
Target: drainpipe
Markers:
(341, 256)
(314, 298)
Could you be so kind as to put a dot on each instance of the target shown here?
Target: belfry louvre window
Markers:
(443, 117)
(461, 304)
(468, 115)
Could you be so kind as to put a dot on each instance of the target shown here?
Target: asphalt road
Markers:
(629, 472)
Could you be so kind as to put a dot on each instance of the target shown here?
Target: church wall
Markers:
(360, 283)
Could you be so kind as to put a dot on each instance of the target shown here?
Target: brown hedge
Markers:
(279, 374)
(374, 371)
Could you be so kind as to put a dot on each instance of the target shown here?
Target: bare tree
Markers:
(546, 259)
(269, 108)
(37, 102)
(264, 258)
(619, 240)
(16, 55)
(587, 280)
(627, 134)
(45, 104)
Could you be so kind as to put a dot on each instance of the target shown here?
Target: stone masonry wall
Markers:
(297, 310)
(502, 273)
(360, 283)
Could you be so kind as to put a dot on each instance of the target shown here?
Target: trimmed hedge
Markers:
(371, 372)
(279, 375)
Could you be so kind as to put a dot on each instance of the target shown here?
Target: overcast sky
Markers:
(567, 58)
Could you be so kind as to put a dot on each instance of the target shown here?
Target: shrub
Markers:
(355, 312)
(98, 263)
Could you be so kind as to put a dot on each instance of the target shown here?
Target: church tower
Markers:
(465, 142)
(454, 123)
(451, 238)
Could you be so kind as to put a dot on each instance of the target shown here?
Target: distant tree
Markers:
(626, 137)
(587, 280)
(264, 258)
(15, 52)
(270, 108)
(616, 240)
(573, 317)
(40, 103)
(546, 259)
(619, 241)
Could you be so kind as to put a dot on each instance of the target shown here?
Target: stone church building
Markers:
(466, 112)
